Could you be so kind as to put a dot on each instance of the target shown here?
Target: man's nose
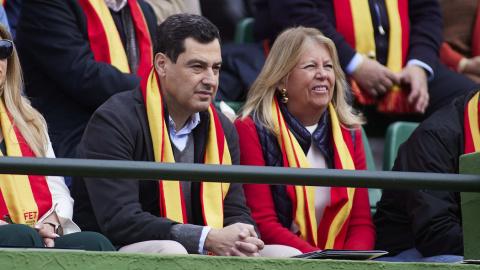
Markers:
(210, 78)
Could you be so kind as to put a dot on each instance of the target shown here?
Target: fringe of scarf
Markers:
(354, 21)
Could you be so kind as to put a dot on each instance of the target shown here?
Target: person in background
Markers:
(3, 18)
(297, 115)
(388, 49)
(460, 49)
(78, 53)
(165, 8)
(35, 211)
(426, 225)
(169, 118)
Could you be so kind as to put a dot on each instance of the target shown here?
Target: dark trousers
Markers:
(19, 235)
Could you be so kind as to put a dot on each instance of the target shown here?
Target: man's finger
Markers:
(246, 247)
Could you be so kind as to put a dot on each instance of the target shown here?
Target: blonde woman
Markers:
(35, 211)
(296, 115)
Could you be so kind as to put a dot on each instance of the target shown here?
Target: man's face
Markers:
(189, 85)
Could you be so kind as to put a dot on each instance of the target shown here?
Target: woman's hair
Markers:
(284, 56)
(29, 121)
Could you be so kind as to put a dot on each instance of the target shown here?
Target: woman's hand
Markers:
(46, 231)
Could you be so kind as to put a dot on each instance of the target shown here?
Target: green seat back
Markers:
(374, 194)
(397, 133)
(235, 105)
(243, 31)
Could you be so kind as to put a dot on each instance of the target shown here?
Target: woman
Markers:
(43, 203)
(296, 115)
(460, 49)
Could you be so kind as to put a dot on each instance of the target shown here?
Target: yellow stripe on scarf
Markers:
(364, 33)
(363, 28)
(118, 57)
(394, 61)
(213, 194)
(347, 164)
(297, 159)
(13, 185)
(473, 120)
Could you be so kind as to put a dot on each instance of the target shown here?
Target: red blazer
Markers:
(361, 231)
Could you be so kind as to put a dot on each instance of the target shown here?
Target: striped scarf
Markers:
(471, 125)
(354, 22)
(26, 198)
(105, 40)
(332, 229)
(171, 197)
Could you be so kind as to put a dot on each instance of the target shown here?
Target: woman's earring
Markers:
(284, 97)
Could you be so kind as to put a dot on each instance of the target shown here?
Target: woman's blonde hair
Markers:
(284, 56)
(29, 121)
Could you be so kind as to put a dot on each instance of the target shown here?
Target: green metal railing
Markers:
(238, 174)
(468, 184)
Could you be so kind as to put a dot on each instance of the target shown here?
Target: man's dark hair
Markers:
(170, 35)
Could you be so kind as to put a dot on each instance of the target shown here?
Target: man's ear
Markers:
(160, 61)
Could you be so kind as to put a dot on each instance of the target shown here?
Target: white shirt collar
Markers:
(192, 123)
(115, 5)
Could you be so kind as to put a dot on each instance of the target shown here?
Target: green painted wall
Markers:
(34, 259)
(470, 164)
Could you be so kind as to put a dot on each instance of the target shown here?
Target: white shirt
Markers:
(115, 5)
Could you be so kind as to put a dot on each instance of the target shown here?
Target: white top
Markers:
(61, 200)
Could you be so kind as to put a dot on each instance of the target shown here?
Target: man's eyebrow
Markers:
(196, 61)
(202, 62)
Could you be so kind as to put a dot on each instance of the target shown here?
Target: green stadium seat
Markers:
(397, 133)
(374, 194)
(235, 105)
(243, 31)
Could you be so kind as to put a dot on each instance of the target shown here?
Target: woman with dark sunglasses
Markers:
(35, 211)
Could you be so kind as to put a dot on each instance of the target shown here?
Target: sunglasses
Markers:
(6, 49)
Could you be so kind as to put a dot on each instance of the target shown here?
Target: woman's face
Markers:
(3, 69)
(310, 85)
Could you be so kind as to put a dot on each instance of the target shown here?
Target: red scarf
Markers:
(332, 229)
(26, 198)
(105, 40)
(171, 197)
(471, 125)
(354, 22)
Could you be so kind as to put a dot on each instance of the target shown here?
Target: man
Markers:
(426, 225)
(78, 53)
(389, 48)
(169, 118)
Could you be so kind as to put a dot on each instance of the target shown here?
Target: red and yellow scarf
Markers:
(171, 197)
(332, 229)
(25, 197)
(471, 125)
(105, 40)
(354, 22)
